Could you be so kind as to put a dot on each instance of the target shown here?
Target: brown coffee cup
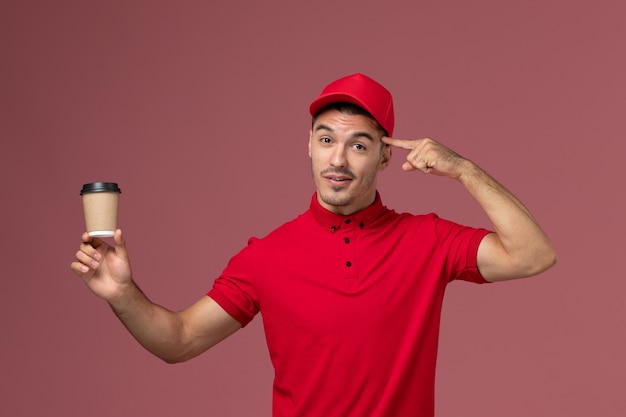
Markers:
(100, 205)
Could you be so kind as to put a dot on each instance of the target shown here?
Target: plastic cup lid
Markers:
(100, 187)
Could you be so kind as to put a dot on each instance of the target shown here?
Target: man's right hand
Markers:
(172, 336)
(105, 269)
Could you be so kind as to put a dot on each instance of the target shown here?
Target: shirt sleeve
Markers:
(461, 244)
(234, 289)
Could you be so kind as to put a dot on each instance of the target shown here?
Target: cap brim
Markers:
(326, 99)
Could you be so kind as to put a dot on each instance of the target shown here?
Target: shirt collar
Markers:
(333, 221)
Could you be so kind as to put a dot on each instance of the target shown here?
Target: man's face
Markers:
(346, 154)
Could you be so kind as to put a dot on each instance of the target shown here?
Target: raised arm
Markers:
(519, 247)
(172, 336)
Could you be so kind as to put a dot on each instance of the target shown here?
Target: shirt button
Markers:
(361, 225)
(333, 228)
(348, 221)
(348, 263)
(347, 240)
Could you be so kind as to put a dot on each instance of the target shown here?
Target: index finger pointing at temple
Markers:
(400, 143)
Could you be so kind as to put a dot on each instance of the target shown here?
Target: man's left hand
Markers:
(429, 156)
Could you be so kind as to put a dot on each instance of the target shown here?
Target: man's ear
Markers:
(310, 138)
(385, 157)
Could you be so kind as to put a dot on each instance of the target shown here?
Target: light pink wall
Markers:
(199, 111)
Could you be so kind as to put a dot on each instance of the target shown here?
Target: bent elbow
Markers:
(551, 260)
(180, 355)
(546, 260)
(172, 360)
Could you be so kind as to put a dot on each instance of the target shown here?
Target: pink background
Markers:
(199, 111)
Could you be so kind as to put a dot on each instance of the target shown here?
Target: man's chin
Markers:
(335, 198)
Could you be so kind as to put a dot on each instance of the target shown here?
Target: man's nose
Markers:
(338, 158)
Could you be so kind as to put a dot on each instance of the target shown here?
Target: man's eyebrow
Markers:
(354, 135)
(363, 135)
(323, 127)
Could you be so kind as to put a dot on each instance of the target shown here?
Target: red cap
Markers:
(364, 92)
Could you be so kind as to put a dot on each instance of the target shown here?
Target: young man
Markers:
(350, 291)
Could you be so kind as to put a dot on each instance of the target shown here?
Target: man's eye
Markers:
(325, 140)
(359, 147)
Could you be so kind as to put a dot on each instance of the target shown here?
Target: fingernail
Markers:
(97, 256)
(94, 264)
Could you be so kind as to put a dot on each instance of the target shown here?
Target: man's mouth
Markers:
(338, 176)
(338, 179)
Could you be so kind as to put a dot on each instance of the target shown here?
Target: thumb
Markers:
(407, 166)
(120, 243)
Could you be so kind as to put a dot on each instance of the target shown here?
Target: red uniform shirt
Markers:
(351, 307)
